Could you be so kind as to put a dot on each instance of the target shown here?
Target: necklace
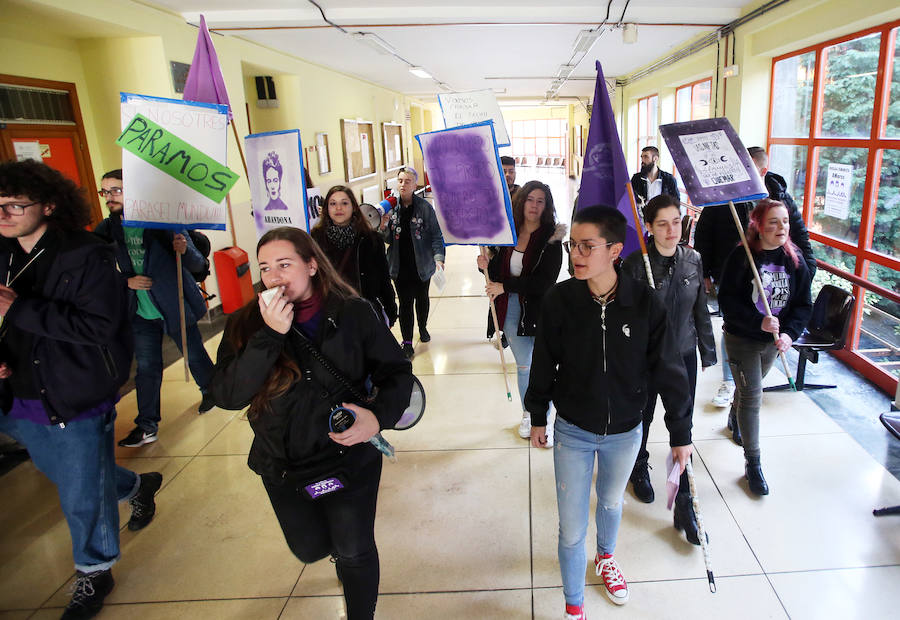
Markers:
(608, 296)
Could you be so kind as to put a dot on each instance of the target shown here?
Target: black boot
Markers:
(755, 479)
(734, 428)
(88, 593)
(640, 482)
(424, 336)
(685, 519)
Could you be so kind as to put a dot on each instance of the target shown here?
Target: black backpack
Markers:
(201, 242)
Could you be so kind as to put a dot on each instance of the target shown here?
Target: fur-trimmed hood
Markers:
(559, 233)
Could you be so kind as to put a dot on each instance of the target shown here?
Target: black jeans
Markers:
(690, 364)
(411, 291)
(343, 525)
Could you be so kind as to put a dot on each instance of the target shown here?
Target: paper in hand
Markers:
(439, 278)
(673, 478)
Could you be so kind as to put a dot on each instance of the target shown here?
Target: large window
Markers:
(648, 121)
(546, 137)
(834, 134)
(692, 101)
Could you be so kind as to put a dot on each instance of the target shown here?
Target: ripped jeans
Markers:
(573, 459)
(521, 346)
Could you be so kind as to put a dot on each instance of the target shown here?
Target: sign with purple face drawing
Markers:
(277, 180)
(470, 194)
(712, 161)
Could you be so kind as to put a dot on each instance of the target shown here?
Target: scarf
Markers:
(341, 237)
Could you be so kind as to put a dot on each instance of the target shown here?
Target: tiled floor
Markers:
(467, 516)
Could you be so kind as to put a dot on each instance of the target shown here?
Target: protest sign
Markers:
(712, 161)
(277, 180)
(163, 179)
(471, 198)
(473, 107)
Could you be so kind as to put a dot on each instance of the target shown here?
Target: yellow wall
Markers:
(108, 46)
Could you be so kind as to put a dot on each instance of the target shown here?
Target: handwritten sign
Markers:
(473, 107)
(712, 161)
(471, 198)
(838, 189)
(153, 197)
(177, 158)
(277, 180)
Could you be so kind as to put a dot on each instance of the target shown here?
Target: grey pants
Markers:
(750, 361)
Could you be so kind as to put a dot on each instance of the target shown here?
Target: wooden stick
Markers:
(184, 349)
(228, 196)
(640, 234)
(497, 332)
(701, 529)
(759, 287)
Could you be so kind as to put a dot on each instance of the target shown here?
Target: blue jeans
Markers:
(521, 346)
(79, 459)
(573, 460)
(148, 337)
(726, 367)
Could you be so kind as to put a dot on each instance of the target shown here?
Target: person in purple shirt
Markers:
(65, 350)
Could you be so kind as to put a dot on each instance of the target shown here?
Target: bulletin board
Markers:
(358, 138)
(393, 146)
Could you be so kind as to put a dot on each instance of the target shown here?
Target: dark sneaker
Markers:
(138, 437)
(424, 336)
(408, 350)
(206, 404)
(88, 593)
(143, 506)
(640, 482)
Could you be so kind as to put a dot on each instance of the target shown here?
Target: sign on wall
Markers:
(473, 107)
(838, 189)
(277, 180)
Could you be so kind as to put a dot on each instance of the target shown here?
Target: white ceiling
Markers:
(513, 46)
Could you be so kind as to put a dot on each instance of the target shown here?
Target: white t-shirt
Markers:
(515, 263)
(654, 189)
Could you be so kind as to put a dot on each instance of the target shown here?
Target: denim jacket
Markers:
(428, 241)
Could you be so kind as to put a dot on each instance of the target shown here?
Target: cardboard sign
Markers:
(712, 161)
(277, 180)
(838, 189)
(156, 199)
(473, 107)
(471, 198)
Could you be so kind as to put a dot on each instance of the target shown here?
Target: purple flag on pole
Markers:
(204, 81)
(605, 174)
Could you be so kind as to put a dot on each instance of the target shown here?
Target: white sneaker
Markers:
(525, 427)
(724, 395)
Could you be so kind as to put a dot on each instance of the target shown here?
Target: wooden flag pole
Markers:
(640, 234)
(497, 332)
(759, 287)
(184, 349)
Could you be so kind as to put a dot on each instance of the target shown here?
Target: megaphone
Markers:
(374, 213)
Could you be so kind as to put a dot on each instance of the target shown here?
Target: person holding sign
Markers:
(677, 276)
(415, 251)
(355, 250)
(322, 477)
(600, 337)
(147, 258)
(748, 330)
(521, 276)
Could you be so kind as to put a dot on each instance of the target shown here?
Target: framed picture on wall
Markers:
(324, 156)
(358, 138)
(392, 134)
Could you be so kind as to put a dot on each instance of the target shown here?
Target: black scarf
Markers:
(341, 237)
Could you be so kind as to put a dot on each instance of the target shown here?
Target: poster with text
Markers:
(837, 190)
(712, 161)
(173, 163)
(473, 107)
(471, 198)
(277, 180)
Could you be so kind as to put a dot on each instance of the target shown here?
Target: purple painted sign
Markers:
(470, 195)
(713, 163)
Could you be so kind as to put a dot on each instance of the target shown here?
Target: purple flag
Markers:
(605, 174)
(204, 81)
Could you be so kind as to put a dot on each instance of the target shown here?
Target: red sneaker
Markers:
(613, 579)
(575, 612)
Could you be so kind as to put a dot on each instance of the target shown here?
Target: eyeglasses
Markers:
(15, 209)
(114, 191)
(584, 248)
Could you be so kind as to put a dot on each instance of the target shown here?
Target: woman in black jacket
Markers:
(322, 484)
(678, 284)
(355, 249)
(749, 331)
(520, 277)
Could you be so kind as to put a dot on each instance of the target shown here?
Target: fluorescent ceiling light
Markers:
(375, 42)
(585, 41)
(629, 34)
(565, 71)
(420, 72)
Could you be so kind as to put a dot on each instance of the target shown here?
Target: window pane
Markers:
(879, 336)
(839, 192)
(790, 162)
(792, 96)
(887, 215)
(850, 71)
(683, 104)
(652, 115)
(892, 130)
(541, 128)
(701, 99)
(835, 258)
(642, 117)
(528, 129)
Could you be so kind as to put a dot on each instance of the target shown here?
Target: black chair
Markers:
(827, 330)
